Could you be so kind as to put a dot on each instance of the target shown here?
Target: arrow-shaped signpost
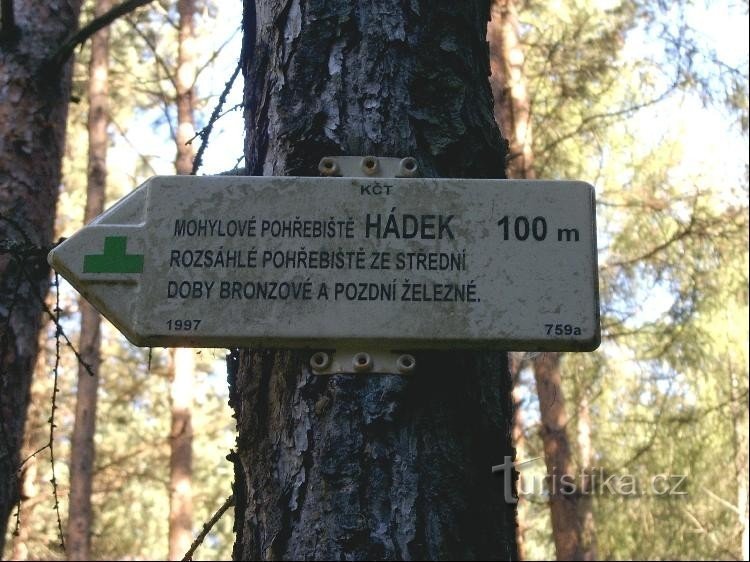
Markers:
(401, 263)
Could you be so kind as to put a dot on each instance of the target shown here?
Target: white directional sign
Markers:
(319, 262)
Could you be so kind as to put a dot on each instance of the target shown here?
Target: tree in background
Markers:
(132, 454)
(33, 110)
(659, 237)
(82, 451)
(183, 364)
(675, 407)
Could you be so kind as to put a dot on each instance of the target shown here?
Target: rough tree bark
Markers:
(370, 467)
(33, 109)
(183, 364)
(82, 453)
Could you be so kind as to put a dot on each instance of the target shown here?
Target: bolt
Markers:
(408, 167)
(369, 165)
(320, 360)
(406, 364)
(362, 362)
(328, 166)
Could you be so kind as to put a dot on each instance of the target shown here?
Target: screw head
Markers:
(369, 165)
(406, 364)
(328, 166)
(320, 360)
(408, 167)
(362, 362)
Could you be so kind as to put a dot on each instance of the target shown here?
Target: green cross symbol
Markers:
(114, 259)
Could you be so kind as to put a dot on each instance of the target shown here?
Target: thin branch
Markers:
(687, 231)
(31, 456)
(164, 100)
(213, 56)
(152, 47)
(589, 119)
(175, 24)
(162, 97)
(64, 52)
(209, 61)
(694, 228)
(58, 327)
(229, 502)
(145, 158)
(206, 132)
(52, 426)
(731, 507)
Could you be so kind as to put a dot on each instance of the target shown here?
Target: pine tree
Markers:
(374, 466)
(32, 136)
(183, 364)
(82, 452)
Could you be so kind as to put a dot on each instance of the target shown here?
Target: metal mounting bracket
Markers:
(357, 361)
(368, 167)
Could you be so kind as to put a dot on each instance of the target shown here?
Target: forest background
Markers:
(646, 101)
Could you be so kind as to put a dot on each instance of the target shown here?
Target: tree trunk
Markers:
(181, 455)
(181, 438)
(512, 103)
(184, 81)
(82, 453)
(33, 109)
(585, 500)
(370, 467)
(557, 455)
